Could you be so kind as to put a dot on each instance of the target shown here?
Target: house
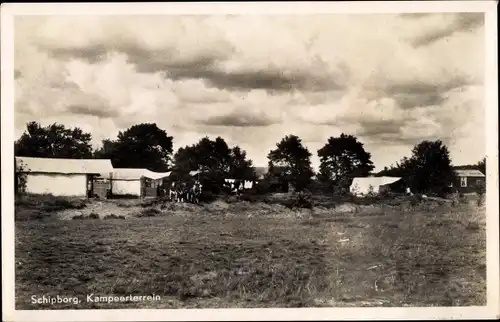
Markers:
(135, 182)
(60, 177)
(468, 181)
(364, 185)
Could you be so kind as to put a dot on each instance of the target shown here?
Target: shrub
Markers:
(263, 187)
(82, 217)
(94, 216)
(251, 198)
(113, 216)
(149, 212)
(207, 197)
(150, 202)
(301, 199)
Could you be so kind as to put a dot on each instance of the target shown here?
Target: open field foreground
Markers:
(243, 254)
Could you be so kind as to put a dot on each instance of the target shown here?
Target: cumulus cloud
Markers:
(452, 23)
(392, 80)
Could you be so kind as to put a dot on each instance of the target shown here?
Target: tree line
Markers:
(427, 170)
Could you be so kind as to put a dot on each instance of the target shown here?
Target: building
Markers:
(134, 182)
(60, 177)
(469, 181)
(366, 185)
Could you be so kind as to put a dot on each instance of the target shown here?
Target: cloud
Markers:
(220, 59)
(87, 109)
(415, 15)
(237, 119)
(412, 94)
(391, 80)
(458, 22)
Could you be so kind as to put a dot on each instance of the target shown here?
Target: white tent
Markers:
(60, 177)
(127, 181)
(365, 185)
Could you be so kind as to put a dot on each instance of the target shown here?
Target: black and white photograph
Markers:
(190, 159)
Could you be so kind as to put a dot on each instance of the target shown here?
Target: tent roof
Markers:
(193, 173)
(136, 174)
(374, 181)
(65, 166)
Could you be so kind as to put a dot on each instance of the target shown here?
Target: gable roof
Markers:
(64, 166)
(469, 173)
(136, 174)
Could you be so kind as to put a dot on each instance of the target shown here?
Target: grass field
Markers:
(245, 254)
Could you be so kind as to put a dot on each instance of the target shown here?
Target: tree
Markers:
(290, 163)
(106, 151)
(481, 165)
(240, 167)
(53, 141)
(212, 157)
(429, 169)
(20, 177)
(143, 145)
(343, 158)
(400, 169)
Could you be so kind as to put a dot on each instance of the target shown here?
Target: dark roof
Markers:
(469, 173)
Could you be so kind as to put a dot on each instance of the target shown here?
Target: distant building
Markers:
(468, 181)
(60, 177)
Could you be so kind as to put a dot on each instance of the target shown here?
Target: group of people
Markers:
(182, 192)
(237, 187)
(191, 192)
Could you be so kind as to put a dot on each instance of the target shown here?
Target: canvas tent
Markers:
(135, 182)
(365, 185)
(61, 177)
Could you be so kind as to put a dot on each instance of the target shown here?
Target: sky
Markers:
(392, 80)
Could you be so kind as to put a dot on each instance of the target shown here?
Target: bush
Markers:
(416, 199)
(150, 202)
(207, 197)
(94, 216)
(124, 196)
(301, 199)
(251, 198)
(150, 212)
(113, 216)
(82, 217)
(263, 187)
